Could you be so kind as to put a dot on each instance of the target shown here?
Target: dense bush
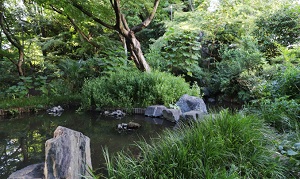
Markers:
(281, 113)
(279, 27)
(228, 146)
(288, 82)
(129, 89)
(177, 52)
(277, 81)
(239, 64)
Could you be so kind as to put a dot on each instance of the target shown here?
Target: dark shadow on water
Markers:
(22, 140)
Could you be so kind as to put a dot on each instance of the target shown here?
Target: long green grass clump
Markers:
(129, 89)
(224, 146)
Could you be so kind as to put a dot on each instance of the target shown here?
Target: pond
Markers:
(22, 139)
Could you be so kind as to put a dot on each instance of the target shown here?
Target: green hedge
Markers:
(135, 89)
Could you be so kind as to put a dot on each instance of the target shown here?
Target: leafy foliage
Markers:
(238, 63)
(279, 27)
(134, 89)
(281, 113)
(179, 51)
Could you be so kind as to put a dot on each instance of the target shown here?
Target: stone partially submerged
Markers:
(155, 110)
(32, 171)
(191, 103)
(124, 127)
(172, 115)
(55, 111)
(192, 115)
(67, 155)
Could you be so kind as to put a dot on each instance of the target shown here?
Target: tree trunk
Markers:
(20, 62)
(44, 35)
(12, 39)
(121, 26)
(136, 53)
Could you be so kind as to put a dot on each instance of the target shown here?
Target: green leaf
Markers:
(21, 83)
(297, 145)
(290, 152)
(186, 54)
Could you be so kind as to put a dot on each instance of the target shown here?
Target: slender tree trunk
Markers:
(20, 62)
(12, 39)
(136, 53)
(44, 35)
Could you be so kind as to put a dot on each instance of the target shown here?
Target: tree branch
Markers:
(146, 22)
(124, 22)
(116, 6)
(76, 27)
(8, 35)
(81, 8)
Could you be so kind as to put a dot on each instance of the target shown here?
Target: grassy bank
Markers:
(226, 146)
(21, 105)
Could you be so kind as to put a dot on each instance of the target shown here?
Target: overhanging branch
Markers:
(89, 14)
(76, 27)
(146, 22)
(8, 35)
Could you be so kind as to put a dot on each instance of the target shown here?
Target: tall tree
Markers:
(110, 15)
(14, 40)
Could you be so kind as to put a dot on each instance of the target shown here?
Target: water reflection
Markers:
(22, 140)
(158, 121)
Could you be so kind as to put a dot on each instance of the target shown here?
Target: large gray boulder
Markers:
(191, 103)
(172, 115)
(67, 155)
(155, 110)
(35, 171)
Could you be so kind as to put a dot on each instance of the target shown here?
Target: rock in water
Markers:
(172, 115)
(55, 111)
(155, 110)
(133, 125)
(67, 155)
(32, 171)
(192, 115)
(191, 103)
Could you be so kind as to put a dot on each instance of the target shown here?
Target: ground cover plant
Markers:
(221, 146)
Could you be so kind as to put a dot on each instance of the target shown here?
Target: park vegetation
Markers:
(102, 54)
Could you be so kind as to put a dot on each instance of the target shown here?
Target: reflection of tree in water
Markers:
(20, 146)
(11, 155)
(16, 154)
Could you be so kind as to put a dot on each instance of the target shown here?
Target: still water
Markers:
(22, 139)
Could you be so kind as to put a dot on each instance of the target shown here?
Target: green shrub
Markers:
(289, 146)
(281, 113)
(277, 81)
(135, 89)
(279, 27)
(233, 75)
(288, 82)
(177, 52)
(226, 146)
